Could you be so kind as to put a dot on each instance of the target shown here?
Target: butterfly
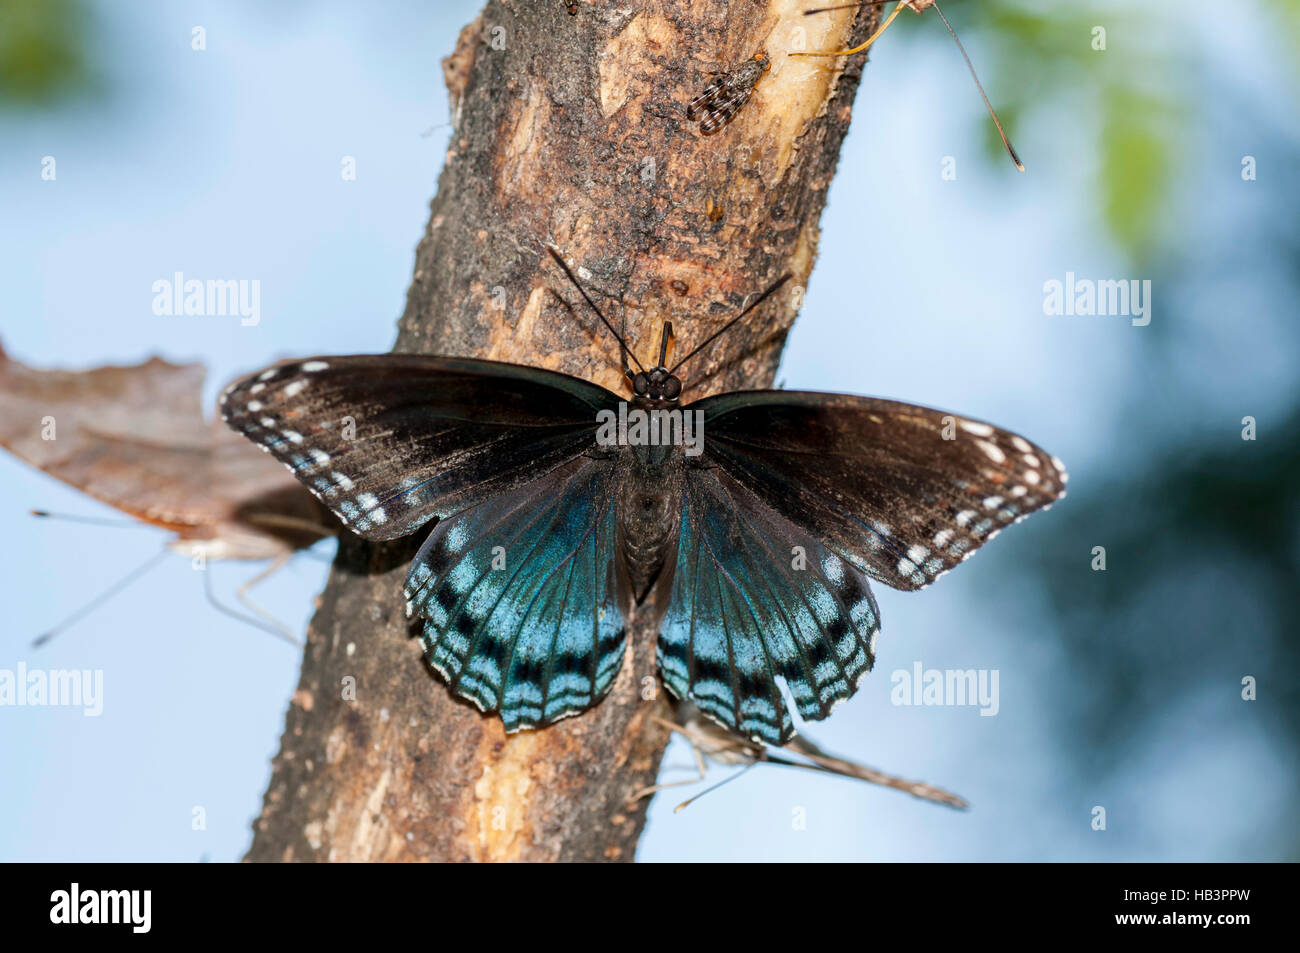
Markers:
(754, 553)
(135, 437)
(709, 741)
(725, 96)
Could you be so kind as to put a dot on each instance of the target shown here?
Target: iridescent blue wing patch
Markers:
(518, 597)
(390, 441)
(903, 492)
(755, 599)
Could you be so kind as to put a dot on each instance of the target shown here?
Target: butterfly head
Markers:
(658, 384)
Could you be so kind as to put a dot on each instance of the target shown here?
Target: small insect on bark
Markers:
(722, 98)
(572, 7)
(917, 6)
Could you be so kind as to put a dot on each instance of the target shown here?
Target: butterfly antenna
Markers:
(869, 40)
(100, 599)
(726, 327)
(622, 349)
(713, 787)
(91, 520)
(586, 297)
(663, 343)
(980, 86)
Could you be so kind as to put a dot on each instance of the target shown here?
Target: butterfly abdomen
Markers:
(649, 505)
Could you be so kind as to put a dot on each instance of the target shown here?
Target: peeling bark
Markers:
(571, 130)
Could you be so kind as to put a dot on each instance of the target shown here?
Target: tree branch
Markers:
(571, 130)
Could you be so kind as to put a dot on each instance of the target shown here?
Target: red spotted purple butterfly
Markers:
(748, 523)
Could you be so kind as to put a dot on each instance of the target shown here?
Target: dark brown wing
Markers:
(389, 441)
(903, 492)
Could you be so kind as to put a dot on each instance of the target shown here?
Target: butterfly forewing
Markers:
(388, 442)
(904, 492)
(519, 598)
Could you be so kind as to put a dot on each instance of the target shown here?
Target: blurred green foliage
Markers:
(1106, 70)
(1131, 103)
(43, 51)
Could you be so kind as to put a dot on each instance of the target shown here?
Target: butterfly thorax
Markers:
(649, 504)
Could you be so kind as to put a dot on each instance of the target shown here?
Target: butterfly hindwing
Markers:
(903, 492)
(754, 599)
(518, 597)
(388, 442)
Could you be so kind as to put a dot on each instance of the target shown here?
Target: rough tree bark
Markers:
(572, 130)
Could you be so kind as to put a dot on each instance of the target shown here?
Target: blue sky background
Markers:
(225, 163)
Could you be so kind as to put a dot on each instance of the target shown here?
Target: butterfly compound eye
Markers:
(672, 388)
(640, 385)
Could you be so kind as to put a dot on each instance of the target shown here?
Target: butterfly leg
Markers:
(278, 563)
(700, 766)
(266, 622)
(656, 788)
